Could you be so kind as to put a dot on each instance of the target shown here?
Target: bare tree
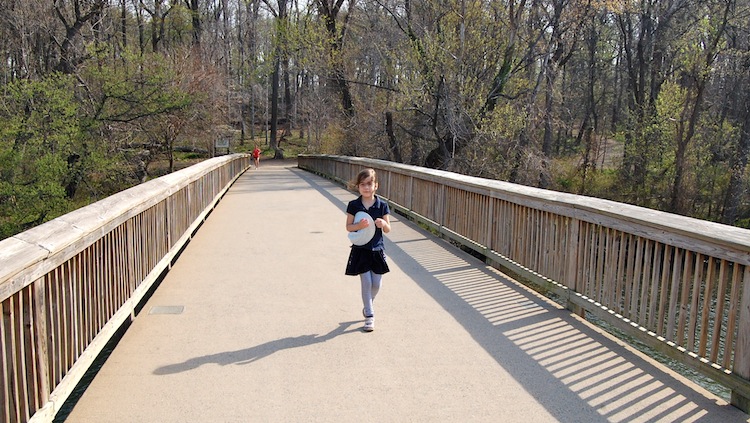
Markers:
(282, 21)
(158, 12)
(195, 16)
(74, 15)
(646, 34)
(329, 11)
(737, 94)
(696, 76)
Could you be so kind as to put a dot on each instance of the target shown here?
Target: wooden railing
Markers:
(68, 285)
(677, 284)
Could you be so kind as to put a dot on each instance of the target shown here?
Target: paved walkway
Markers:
(270, 331)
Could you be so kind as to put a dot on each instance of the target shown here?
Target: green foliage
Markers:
(466, 79)
(146, 86)
(493, 150)
(710, 167)
(41, 141)
(145, 103)
(598, 182)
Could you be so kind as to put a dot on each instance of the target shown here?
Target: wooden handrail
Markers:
(678, 284)
(68, 285)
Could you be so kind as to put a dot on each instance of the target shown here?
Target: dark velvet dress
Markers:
(371, 256)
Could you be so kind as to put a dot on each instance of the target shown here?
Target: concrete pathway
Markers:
(257, 322)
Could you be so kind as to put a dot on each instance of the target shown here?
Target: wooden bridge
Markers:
(228, 286)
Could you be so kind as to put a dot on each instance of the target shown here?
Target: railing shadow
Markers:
(324, 188)
(573, 369)
(258, 352)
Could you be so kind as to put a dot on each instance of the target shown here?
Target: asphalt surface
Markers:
(256, 322)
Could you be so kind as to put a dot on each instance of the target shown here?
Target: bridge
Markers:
(224, 292)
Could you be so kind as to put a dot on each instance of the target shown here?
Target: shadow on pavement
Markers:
(574, 370)
(252, 354)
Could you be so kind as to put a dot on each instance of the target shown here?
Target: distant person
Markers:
(367, 256)
(256, 156)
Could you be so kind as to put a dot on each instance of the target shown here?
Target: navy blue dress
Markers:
(371, 256)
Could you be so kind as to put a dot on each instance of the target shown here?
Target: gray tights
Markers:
(370, 287)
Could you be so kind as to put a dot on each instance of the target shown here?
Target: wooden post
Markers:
(40, 327)
(410, 195)
(573, 245)
(742, 350)
(489, 233)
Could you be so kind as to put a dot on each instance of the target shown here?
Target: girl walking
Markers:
(367, 257)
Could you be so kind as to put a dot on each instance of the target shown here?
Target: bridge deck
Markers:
(270, 330)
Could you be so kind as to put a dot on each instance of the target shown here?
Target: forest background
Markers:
(645, 102)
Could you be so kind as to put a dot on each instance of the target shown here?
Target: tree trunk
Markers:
(737, 185)
(684, 137)
(141, 28)
(69, 60)
(550, 78)
(288, 103)
(274, 142)
(329, 13)
(392, 141)
(124, 24)
(196, 19)
(700, 79)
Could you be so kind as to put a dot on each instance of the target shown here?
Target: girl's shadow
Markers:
(249, 355)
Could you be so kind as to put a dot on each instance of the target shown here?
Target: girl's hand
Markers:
(384, 224)
(364, 223)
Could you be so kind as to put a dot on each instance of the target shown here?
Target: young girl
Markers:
(368, 260)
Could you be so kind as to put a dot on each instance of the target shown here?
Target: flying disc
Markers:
(364, 235)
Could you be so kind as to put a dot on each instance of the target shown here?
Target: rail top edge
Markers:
(592, 209)
(88, 223)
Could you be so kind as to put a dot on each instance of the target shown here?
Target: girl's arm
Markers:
(384, 223)
(351, 226)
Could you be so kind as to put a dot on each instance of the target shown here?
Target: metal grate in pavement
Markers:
(166, 310)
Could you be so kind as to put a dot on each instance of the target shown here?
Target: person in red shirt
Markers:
(256, 156)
